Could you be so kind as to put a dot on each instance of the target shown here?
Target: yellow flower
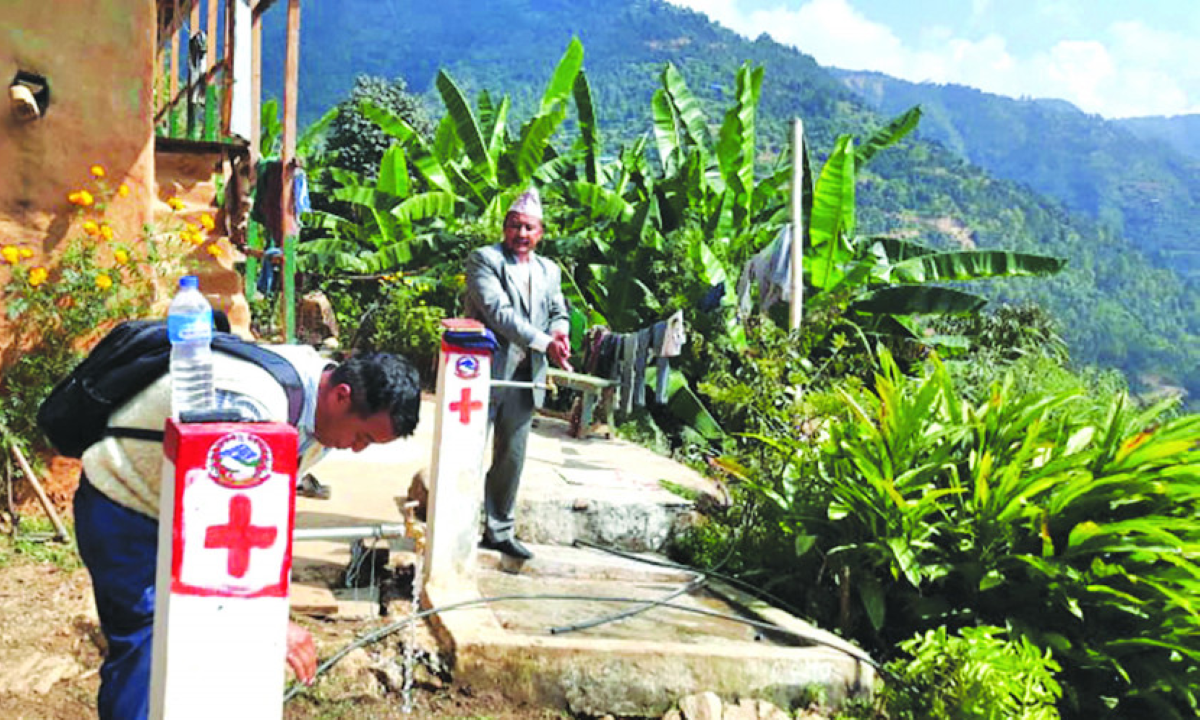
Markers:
(97, 171)
(207, 221)
(103, 281)
(192, 237)
(123, 190)
(38, 275)
(120, 256)
(107, 232)
(26, 253)
(82, 198)
(175, 203)
(11, 254)
(91, 228)
(214, 250)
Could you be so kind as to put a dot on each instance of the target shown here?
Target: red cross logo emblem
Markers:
(464, 406)
(239, 536)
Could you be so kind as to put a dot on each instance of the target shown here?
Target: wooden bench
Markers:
(594, 390)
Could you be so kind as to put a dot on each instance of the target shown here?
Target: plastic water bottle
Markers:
(189, 325)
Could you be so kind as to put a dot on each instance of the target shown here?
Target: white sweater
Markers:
(129, 471)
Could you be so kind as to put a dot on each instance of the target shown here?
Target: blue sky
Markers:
(1116, 58)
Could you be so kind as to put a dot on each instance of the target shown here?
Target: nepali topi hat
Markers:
(528, 203)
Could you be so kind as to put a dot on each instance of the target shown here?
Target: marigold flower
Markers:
(215, 250)
(97, 171)
(207, 221)
(106, 232)
(123, 190)
(91, 228)
(175, 204)
(103, 281)
(82, 198)
(11, 254)
(26, 253)
(120, 256)
(38, 275)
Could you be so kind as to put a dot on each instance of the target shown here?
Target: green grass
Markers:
(34, 540)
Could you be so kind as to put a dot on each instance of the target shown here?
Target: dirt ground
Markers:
(51, 646)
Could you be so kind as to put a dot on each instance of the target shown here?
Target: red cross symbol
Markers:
(464, 407)
(239, 536)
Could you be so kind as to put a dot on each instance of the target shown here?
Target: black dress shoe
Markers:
(510, 547)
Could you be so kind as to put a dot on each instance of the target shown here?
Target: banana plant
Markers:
(883, 282)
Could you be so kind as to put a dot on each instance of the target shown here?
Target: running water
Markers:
(410, 647)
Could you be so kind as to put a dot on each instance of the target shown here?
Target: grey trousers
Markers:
(512, 416)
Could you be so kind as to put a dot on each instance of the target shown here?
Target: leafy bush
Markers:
(922, 509)
(56, 311)
(357, 143)
(976, 673)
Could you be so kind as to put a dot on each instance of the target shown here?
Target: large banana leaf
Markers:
(421, 155)
(467, 127)
(691, 117)
(972, 265)
(589, 128)
(600, 203)
(426, 205)
(900, 126)
(535, 141)
(666, 131)
(563, 80)
(685, 405)
(919, 299)
(735, 148)
(832, 217)
(393, 173)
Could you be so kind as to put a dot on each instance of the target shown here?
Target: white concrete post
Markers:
(459, 440)
(797, 306)
(224, 563)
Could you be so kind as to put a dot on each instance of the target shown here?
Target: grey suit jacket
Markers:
(494, 299)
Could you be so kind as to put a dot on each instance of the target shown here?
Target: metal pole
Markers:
(352, 532)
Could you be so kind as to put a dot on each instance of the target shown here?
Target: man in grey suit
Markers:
(518, 295)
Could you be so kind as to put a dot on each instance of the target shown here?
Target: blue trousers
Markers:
(119, 548)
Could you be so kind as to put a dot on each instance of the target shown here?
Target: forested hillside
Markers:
(1117, 173)
(1181, 132)
(1115, 304)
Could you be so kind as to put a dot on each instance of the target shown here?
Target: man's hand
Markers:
(301, 653)
(559, 351)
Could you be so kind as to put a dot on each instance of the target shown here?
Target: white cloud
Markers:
(1130, 69)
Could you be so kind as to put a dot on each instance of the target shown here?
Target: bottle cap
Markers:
(189, 282)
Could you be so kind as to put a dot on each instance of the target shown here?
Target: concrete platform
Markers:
(611, 493)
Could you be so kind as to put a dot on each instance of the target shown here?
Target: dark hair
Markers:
(383, 381)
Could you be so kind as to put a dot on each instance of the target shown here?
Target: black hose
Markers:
(692, 584)
(383, 632)
(737, 582)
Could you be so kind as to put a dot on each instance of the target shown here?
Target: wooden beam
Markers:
(173, 87)
(291, 83)
(255, 83)
(797, 304)
(211, 32)
(227, 99)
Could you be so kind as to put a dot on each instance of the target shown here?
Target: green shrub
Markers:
(976, 673)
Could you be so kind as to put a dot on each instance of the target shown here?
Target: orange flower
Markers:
(38, 275)
(103, 281)
(91, 228)
(26, 253)
(82, 198)
(97, 171)
(120, 256)
(175, 204)
(11, 254)
(107, 232)
(123, 190)
(215, 250)
(207, 221)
